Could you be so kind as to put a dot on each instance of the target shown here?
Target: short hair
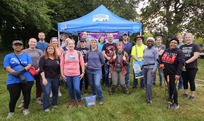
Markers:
(158, 37)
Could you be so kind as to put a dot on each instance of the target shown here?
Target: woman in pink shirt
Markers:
(70, 63)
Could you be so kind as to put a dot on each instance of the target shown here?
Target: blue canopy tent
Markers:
(99, 20)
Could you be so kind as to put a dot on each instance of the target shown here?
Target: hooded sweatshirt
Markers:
(173, 60)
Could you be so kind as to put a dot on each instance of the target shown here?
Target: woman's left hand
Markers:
(81, 76)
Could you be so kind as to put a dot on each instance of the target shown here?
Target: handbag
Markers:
(31, 70)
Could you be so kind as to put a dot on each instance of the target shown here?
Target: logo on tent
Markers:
(136, 27)
(100, 18)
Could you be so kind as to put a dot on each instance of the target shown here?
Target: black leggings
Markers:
(189, 76)
(15, 91)
(172, 88)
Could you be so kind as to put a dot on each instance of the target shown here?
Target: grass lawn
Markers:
(117, 107)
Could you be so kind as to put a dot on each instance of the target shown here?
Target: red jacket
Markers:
(122, 62)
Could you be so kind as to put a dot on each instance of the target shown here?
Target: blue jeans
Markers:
(73, 84)
(127, 76)
(106, 69)
(94, 77)
(53, 84)
(160, 76)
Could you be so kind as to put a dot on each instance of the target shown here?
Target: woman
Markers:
(54, 41)
(50, 73)
(149, 67)
(19, 79)
(35, 55)
(173, 60)
(118, 65)
(95, 61)
(65, 48)
(71, 60)
(191, 52)
(101, 42)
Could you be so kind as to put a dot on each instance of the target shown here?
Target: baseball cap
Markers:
(17, 42)
(82, 40)
(125, 33)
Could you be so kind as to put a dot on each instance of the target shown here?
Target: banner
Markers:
(97, 35)
(137, 67)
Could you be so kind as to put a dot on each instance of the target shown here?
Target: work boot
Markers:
(79, 103)
(71, 104)
(125, 89)
(112, 89)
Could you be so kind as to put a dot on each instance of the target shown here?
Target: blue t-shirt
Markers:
(12, 61)
(41, 45)
(100, 46)
(127, 47)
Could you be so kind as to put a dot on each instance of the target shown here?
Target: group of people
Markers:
(94, 60)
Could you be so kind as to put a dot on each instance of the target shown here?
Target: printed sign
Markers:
(137, 66)
(97, 35)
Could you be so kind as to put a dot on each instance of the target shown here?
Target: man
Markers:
(85, 37)
(127, 49)
(137, 55)
(159, 46)
(41, 44)
(108, 51)
(83, 49)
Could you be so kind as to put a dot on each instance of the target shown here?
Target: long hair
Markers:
(58, 44)
(94, 39)
(46, 54)
(100, 39)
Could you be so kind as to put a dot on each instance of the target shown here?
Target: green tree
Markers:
(168, 17)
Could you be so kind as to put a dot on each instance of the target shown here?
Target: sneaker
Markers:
(191, 98)
(175, 106)
(149, 102)
(22, 104)
(10, 114)
(47, 110)
(185, 95)
(71, 104)
(101, 102)
(55, 106)
(26, 112)
(39, 101)
(59, 94)
(50, 94)
(79, 103)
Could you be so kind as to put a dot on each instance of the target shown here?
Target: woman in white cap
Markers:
(149, 67)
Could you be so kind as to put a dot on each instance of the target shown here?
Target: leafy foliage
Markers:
(169, 17)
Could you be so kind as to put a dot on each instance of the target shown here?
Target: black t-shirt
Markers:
(109, 49)
(188, 51)
(50, 67)
(83, 51)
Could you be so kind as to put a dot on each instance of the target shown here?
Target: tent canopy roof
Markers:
(100, 20)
